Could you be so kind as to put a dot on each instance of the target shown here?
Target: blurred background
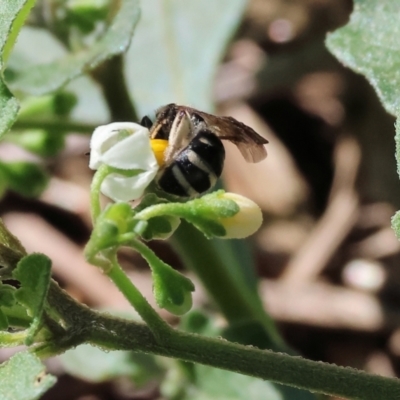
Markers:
(326, 256)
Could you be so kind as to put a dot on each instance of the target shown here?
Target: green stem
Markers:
(117, 334)
(98, 179)
(156, 324)
(148, 254)
(157, 210)
(8, 339)
(265, 364)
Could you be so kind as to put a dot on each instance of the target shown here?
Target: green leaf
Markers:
(172, 290)
(177, 47)
(396, 224)
(209, 227)
(8, 108)
(17, 317)
(18, 11)
(7, 295)
(49, 77)
(23, 377)
(158, 228)
(34, 273)
(3, 320)
(95, 365)
(369, 45)
(26, 178)
(218, 267)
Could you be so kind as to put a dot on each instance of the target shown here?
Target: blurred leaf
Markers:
(27, 179)
(95, 365)
(12, 15)
(176, 50)
(50, 77)
(59, 104)
(197, 321)
(23, 377)
(213, 383)
(38, 141)
(202, 382)
(218, 266)
(8, 108)
(369, 45)
(34, 273)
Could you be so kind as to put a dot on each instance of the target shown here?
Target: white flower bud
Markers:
(244, 223)
(126, 146)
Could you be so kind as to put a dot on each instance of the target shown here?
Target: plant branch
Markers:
(111, 333)
(98, 179)
(110, 76)
(277, 367)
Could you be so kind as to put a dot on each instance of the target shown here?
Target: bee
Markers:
(194, 156)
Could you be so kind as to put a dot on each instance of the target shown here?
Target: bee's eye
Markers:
(158, 146)
(146, 122)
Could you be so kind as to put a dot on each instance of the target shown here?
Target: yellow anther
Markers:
(158, 146)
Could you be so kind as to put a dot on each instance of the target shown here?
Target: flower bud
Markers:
(245, 222)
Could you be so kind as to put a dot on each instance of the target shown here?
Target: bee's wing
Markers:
(249, 142)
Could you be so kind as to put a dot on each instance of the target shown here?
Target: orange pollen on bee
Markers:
(158, 146)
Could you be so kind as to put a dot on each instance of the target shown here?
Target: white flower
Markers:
(126, 146)
(245, 222)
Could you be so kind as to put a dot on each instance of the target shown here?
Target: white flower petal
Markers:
(121, 188)
(105, 137)
(133, 152)
(126, 146)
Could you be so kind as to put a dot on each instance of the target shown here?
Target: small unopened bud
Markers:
(245, 222)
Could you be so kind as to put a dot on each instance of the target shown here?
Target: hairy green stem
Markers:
(277, 367)
(113, 333)
(147, 254)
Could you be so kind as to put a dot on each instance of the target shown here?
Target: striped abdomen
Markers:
(196, 168)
